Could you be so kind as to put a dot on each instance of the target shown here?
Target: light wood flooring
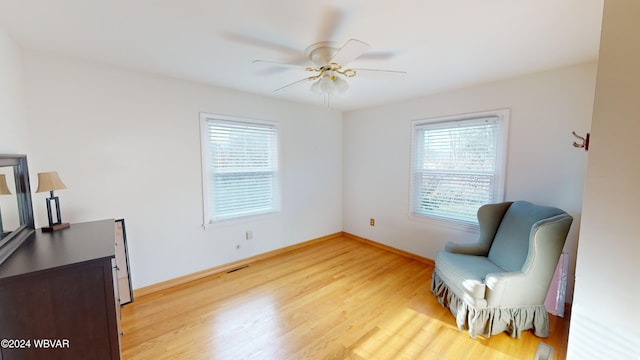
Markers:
(336, 299)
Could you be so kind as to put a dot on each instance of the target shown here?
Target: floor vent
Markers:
(544, 352)
(236, 269)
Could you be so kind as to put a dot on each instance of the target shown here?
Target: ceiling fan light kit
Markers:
(330, 84)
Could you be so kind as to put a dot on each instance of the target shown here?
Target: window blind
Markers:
(242, 168)
(455, 167)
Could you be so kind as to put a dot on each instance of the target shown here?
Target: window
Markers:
(458, 165)
(240, 167)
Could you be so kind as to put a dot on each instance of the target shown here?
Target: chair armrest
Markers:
(474, 288)
(515, 289)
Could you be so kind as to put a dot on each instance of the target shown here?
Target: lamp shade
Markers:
(330, 84)
(340, 86)
(49, 181)
(4, 189)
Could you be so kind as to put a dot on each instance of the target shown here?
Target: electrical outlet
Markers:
(248, 235)
(372, 222)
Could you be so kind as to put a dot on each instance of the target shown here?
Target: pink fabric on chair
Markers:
(555, 299)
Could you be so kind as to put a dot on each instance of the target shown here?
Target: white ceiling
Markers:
(442, 45)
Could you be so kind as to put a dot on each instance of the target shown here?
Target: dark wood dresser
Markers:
(58, 296)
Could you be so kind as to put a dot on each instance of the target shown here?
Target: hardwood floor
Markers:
(337, 299)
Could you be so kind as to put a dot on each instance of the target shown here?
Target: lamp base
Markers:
(55, 227)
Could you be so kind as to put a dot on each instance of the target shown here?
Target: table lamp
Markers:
(50, 181)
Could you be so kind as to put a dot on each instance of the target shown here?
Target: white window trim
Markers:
(206, 214)
(501, 163)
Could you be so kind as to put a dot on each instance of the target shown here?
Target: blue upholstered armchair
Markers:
(500, 282)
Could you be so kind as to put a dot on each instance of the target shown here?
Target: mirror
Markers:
(16, 209)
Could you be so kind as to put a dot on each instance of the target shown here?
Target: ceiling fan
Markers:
(328, 70)
(330, 73)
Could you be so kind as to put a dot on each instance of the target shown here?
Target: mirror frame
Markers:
(11, 243)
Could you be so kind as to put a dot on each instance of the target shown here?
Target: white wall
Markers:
(12, 105)
(605, 309)
(127, 144)
(542, 165)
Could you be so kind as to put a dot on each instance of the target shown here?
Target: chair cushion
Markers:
(465, 275)
(511, 244)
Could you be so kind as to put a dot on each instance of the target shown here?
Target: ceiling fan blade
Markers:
(332, 22)
(379, 73)
(278, 63)
(378, 55)
(276, 67)
(262, 42)
(293, 83)
(350, 51)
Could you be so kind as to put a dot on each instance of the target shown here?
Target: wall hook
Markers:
(584, 141)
